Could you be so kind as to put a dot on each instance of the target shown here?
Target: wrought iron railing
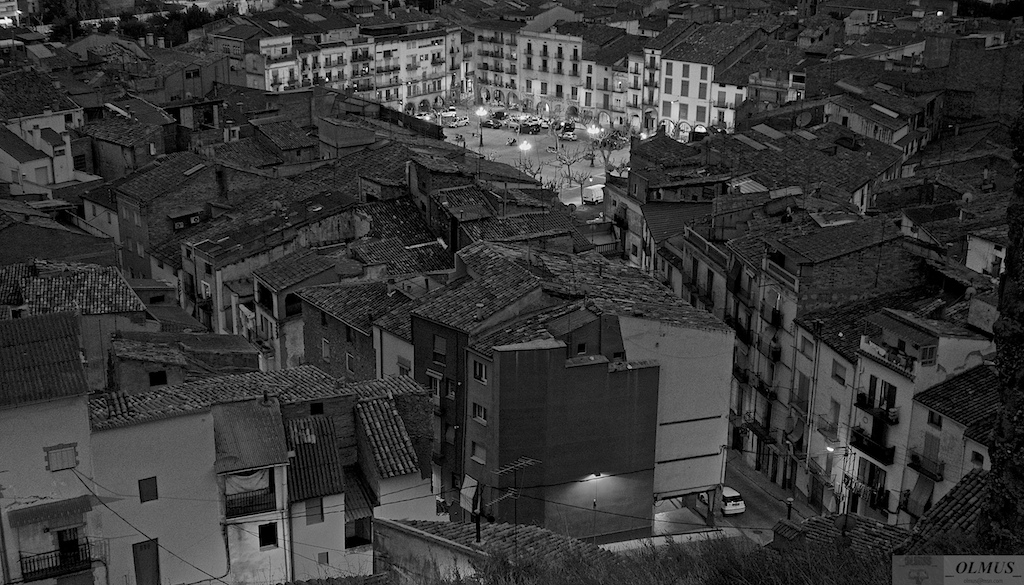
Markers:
(252, 502)
(55, 563)
(926, 465)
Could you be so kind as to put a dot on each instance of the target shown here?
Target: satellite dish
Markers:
(803, 120)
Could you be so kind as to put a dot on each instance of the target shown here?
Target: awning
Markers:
(467, 493)
(59, 510)
(920, 495)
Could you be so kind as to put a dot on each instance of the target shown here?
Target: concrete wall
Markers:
(393, 354)
(132, 376)
(413, 557)
(406, 497)
(251, 563)
(180, 453)
(96, 333)
(693, 401)
(312, 539)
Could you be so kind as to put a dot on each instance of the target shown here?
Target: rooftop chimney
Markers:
(150, 39)
(160, 42)
(479, 315)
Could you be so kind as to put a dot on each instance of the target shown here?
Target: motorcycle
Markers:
(510, 142)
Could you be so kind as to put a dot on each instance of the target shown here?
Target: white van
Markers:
(593, 194)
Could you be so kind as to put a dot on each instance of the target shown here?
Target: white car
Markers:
(545, 123)
(427, 117)
(732, 501)
(570, 136)
(459, 122)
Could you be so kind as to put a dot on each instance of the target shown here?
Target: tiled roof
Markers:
(162, 353)
(666, 219)
(154, 181)
(383, 430)
(356, 304)
(316, 470)
(383, 163)
(866, 537)
(508, 541)
(387, 387)
(497, 24)
(843, 326)
(401, 258)
(970, 398)
(984, 211)
(524, 328)
(359, 497)
(26, 92)
(241, 32)
(955, 514)
(286, 135)
(144, 111)
(247, 152)
(840, 240)
(711, 43)
(173, 318)
(122, 131)
(999, 234)
(85, 288)
(675, 32)
(17, 148)
(615, 52)
(248, 434)
(10, 282)
(42, 359)
(292, 385)
(526, 227)
(293, 268)
(398, 321)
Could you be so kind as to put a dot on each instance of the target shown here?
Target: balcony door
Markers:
(67, 546)
(147, 562)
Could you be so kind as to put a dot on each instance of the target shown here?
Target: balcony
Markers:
(649, 102)
(741, 375)
(800, 403)
(889, 356)
(765, 389)
(544, 69)
(59, 562)
(435, 61)
(860, 440)
(828, 429)
(926, 465)
(888, 415)
(650, 83)
(361, 58)
(762, 431)
(247, 503)
(775, 318)
(724, 104)
(412, 66)
(389, 69)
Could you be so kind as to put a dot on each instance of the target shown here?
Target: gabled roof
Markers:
(953, 516)
(130, 349)
(970, 398)
(17, 148)
(356, 304)
(153, 181)
(316, 470)
(667, 219)
(866, 537)
(286, 135)
(42, 359)
(525, 328)
(383, 432)
(711, 43)
(505, 540)
(398, 321)
(27, 92)
(840, 240)
(294, 268)
(402, 258)
(248, 434)
(292, 385)
(122, 131)
(246, 153)
(85, 288)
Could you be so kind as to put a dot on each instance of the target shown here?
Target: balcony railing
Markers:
(765, 389)
(926, 465)
(650, 83)
(860, 440)
(412, 66)
(890, 356)
(361, 58)
(827, 428)
(724, 104)
(888, 415)
(246, 503)
(799, 402)
(741, 375)
(59, 562)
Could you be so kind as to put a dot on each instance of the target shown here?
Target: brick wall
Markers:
(858, 276)
(337, 364)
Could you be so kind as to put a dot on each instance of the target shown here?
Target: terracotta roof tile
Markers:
(247, 152)
(530, 327)
(401, 258)
(867, 537)
(86, 288)
(970, 398)
(293, 385)
(384, 434)
(286, 135)
(954, 514)
(248, 434)
(398, 321)
(123, 132)
(11, 277)
(665, 219)
(162, 353)
(711, 43)
(18, 149)
(316, 470)
(30, 93)
(42, 359)
(356, 304)
(359, 497)
(507, 540)
(152, 182)
(293, 268)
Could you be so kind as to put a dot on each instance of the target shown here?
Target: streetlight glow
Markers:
(481, 112)
(524, 147)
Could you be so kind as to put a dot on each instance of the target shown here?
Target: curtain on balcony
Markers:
(920, 495)
(248, 482)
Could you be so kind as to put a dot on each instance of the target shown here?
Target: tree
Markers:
(1001, 525)
(106, 27)
(566, 158)
(66, 29)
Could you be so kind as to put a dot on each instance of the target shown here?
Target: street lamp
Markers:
(594, 132)
(523, 147)
(481, 112)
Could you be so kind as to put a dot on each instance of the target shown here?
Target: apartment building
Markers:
(495, 61)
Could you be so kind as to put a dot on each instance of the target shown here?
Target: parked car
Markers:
(732, 501)
(499, 115)
(530, 129)
(569, 136)
(511, 123)
(491, 123)
(459, 122)
(545, 123)
(593, 195)
(451, 109)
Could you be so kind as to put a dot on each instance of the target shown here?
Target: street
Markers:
(765, 501)
(537, 157)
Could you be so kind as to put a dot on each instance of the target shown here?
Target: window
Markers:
(69, 119)
(684, 111)
(314, 511)
(480, 371)
(529, 84)
(316, 408)
(268, 534)
(325, 350)
(701, 114)
(806, 346)
(543, 88)
(935, 419)
(61, 457)
(704, 72)
(977, 459)
(574, 92)
(666, 109)
(581, 348)
(668, 85)
(158, 378)
(479, 453)
(350, 362)
(838, 372)
(479, 413)
(138, 247)
(928, 355)
(403, 370)
(440, 349)
(323, 318)
(450, 389)
(321, 558)
(558, 90)
(686, 70)
(702, 91)
(633, 250)
(147, 489)
(434, 383)
(668, 68)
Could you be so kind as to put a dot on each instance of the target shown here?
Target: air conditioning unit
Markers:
(194, 219)
(179, 225)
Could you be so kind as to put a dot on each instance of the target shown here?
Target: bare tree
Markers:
(529, 166)
(1001, 526)
(566, 158)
